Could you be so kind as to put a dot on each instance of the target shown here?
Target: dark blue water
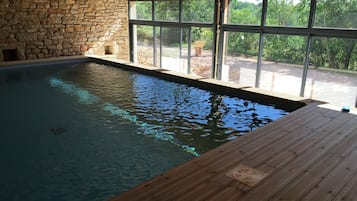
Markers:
(89, 132)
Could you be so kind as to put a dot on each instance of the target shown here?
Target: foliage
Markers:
(167, 10)
(145, 32)
(325, 52)
(198, 11)
(204, 34)
(283, 48)
(244, 13)
(243, 43)
(333, 52)
(286, 13)
(144, 10)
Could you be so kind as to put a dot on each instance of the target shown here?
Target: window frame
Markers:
(220, 25)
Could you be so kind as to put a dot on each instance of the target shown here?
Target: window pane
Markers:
(198, 11)
(332, 76)
(245, 12)
(336, 13)
(240, 58)
(282, 63)
(293, 13)
(201, 51)
(167, 10)
(141, 10)
(157, 46)
(143, 45)
(174, 57)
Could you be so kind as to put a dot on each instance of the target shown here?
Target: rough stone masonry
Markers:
(34, 29)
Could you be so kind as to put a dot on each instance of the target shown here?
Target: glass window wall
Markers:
(174, 53)
(167, 10)
(198, 11)
(261, 43)
(240, 58)
(282, 63)
(332, 74)
(201, 51)
(143, 48)
(244, 12)
(141, 10)
(336, 13)
(288, 13)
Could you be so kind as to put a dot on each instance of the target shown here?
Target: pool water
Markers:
(88, 131)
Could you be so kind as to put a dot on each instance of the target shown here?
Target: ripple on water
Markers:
(101, 154)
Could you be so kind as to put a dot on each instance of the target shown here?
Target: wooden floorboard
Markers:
(310, 155)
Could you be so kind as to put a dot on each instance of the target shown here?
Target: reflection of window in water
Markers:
(214, 118)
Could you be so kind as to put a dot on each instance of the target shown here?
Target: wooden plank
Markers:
(183, 186)
(307, 148)
(334, 182)
(219, 179)
(262, 138)
(215, 184)
(212, 181)
(348, 193)
(145, 189)
(306, 141)
(200, 191)
(185, 171)
(266, 131)
(310, 177)
(227, 194)
(167, 181)
(262, 148)
(293, 171)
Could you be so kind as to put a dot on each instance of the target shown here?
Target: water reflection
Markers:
(199, 118)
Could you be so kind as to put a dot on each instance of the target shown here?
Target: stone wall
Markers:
(52, 28)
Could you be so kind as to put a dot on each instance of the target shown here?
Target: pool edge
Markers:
(40, 62)
(283, 101)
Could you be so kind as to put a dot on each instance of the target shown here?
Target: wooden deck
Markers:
(310, 154)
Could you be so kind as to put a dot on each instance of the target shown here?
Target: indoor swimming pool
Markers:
(86, 131)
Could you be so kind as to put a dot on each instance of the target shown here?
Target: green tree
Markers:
(285, 48)
(326, 52)
(143, 10)
(333, 52)
(198, 11)
(167, 10)
(244, 13)
(286, 13)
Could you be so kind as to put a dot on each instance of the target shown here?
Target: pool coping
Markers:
(22, 64)
(281, 100)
